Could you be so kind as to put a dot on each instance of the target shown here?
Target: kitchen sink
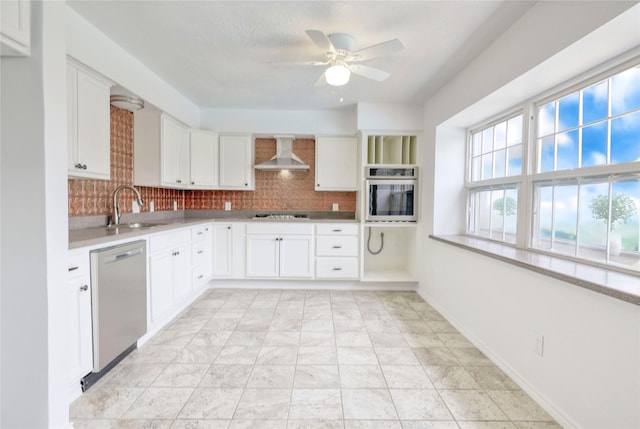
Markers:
(135, 225)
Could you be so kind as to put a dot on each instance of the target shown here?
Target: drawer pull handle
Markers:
(337, 230)
(200, 276)
(337, 247)
(73, 268)
(200, 233)
(337, 269)
(84, 288)
(200, 252)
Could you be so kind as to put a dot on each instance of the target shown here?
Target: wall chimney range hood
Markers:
(284, 158)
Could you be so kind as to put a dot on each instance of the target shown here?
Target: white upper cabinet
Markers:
(88, 116)
(336, 164)
(175, 153)
(236, 162)
(15, 27)
(204, 159)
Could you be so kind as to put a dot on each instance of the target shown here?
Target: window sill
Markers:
(625, 287)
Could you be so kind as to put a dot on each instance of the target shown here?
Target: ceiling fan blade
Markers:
(321, 40)
(299, 63)
(380, 50)
(322, 81)
(369, 72)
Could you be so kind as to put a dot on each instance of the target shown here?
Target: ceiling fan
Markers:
(342, 60)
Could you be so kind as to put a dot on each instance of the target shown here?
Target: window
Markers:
(495, 168)
(583, 185)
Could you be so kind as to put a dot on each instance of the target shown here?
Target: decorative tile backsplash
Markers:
(274, 190)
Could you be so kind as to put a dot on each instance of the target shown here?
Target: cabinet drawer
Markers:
(337, 245)
(78, 265)
(169, 239)
(200, 232)
(199, 276)
(199, 253)
(337, 229)
(342, 268)
(285, 228)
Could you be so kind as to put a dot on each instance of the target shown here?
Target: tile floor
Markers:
(290, 359)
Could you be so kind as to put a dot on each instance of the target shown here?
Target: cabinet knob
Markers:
(178, 181)
(81, 166)
(193, 183)
(84, 288)
(228, 227)
(317, 184)
(246, 184)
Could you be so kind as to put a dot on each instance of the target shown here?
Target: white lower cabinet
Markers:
(279, 250)
(222, 250)
(169, 272)
(77, 305)
(337, 251)
(201, 254)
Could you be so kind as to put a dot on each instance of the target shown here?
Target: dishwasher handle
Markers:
(122, 256)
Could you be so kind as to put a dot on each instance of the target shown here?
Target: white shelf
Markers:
(395, 149)
(397, 262)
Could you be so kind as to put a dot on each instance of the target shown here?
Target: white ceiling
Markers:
(220, 54)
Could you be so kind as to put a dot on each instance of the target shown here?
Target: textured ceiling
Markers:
(221, 54)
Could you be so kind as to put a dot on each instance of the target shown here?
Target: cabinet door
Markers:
(183, 156)
(236, 162)
(93, 126)
(15, 27)
(222, 250)
(181, 272)
(263, 256)
(204, 159)
(296, 256)
(79, 333)
(169, 150)
(161, 293)
(72, 121)
(336, 163)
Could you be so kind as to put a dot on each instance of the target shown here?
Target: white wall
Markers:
(301, 122)
(390, 117)
(590, 373)
(33, 247)
(93, 48)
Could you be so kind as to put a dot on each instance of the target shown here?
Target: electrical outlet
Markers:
(175, 205)
(135, 207)
(539, 349)
(152, 206)
(335, 207)
(227, 205)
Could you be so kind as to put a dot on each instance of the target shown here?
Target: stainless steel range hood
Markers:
(284, 158)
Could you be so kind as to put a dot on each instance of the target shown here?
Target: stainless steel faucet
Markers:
(115, 220)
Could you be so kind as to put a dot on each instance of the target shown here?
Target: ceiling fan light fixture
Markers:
(337, 75)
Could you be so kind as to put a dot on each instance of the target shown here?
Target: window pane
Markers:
(487, 166)
(475, 168)
(497, 214)
(565, 212)
(499, 161)
(510, 215)
(595, 102)
(625, 138)
(477, 144)
(546, 154)
(567, 150)
(500, 135)
(473, 213)
(514, 131)
(592, 231)
(514, 165)
(484, 213)
(625, 227)
(594, 144)
(545, 217)
(546, 119)
(487, 140)
(625, 91)
(568, 108)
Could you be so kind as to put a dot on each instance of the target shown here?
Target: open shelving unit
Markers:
(398, 149)
(397, 262)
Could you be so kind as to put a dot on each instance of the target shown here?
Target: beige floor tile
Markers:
(173, 337)
(470, 356)
(455, 340)
(387, 339)
(428, 424)
(258, 424)
(537, 425)
(277, 355)
(427, 339)
(135, 374)
(105, 402)
(317, 325)
(471, 405)
(419, 404)
(122, 424)
(308, 404)
(372, 424)
(263, 404)
(200, 424)
(244, 355)
(317, 356)
(368, 404)
(151, 353)
(246, 338)
(181, 375)
(315, 424)
(486, 425)
(198, 354)
(271, 376)
(208, 403)
(317, 339)
(406, 377)
(221, 324)
(353, 339)
(159, 403)
(451, 377)
(491, 378)
(226, 376)
(517, 405)
(349, 325)
(396, 356)
(211, 338)
(436, 356)
(282, 338)
(361, 376)
(356, 356)
(316, 376)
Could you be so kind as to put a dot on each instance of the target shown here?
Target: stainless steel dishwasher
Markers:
(118, 301)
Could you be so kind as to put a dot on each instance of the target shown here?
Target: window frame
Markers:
(528, 181)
